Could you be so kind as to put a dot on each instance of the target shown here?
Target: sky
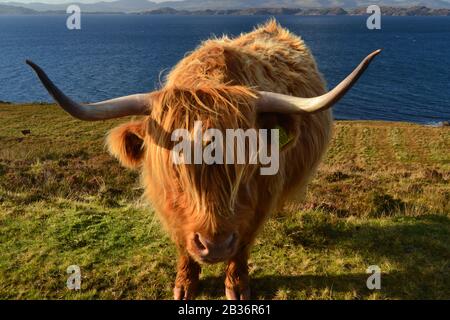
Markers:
(79, 1)
(69, 1)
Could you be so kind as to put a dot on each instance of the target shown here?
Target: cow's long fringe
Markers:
(213, 189)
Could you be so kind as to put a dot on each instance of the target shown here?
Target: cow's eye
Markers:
(284, 136)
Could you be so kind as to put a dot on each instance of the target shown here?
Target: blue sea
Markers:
(114, 55)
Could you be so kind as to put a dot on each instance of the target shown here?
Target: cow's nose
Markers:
(215, 250)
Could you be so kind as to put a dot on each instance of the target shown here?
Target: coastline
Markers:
(431, 124)
(419, 11)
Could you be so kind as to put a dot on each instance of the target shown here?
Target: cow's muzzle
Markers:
(215, 250)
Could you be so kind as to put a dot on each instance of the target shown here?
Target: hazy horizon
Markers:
(70, 1)
(97, 1)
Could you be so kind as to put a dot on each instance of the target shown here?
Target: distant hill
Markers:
(411, 11)
(387, 11)
(240, 4)
(6, 9)
(145, 5)
(240, 7)
(116, 6)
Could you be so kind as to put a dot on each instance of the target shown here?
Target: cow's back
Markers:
(270, 59)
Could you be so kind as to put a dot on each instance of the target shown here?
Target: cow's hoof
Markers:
(183, 293)
(237, 294)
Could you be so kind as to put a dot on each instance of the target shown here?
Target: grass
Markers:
(381, 197)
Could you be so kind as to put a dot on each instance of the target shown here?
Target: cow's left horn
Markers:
(280, 103)
(138, 104)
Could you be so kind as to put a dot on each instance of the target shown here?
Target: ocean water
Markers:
(116, 55)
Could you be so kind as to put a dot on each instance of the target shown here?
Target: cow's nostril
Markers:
(198, 242)
(214, 250)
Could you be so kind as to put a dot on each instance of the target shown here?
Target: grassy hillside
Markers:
(382, 197)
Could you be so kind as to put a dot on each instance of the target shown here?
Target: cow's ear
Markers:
(126, 143)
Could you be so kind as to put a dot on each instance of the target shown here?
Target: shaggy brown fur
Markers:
(217, 84)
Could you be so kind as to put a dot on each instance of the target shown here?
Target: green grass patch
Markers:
(376, 200)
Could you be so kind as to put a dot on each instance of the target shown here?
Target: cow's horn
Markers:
(138, 104)
(280, 103)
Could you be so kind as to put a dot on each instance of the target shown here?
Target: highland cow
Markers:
(265, 79)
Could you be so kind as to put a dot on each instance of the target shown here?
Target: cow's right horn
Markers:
(138, 104)
(281, 103)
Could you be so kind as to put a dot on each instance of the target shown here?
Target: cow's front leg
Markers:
(188, 272)
(237, 282)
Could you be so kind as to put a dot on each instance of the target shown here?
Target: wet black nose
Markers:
(215, 250)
